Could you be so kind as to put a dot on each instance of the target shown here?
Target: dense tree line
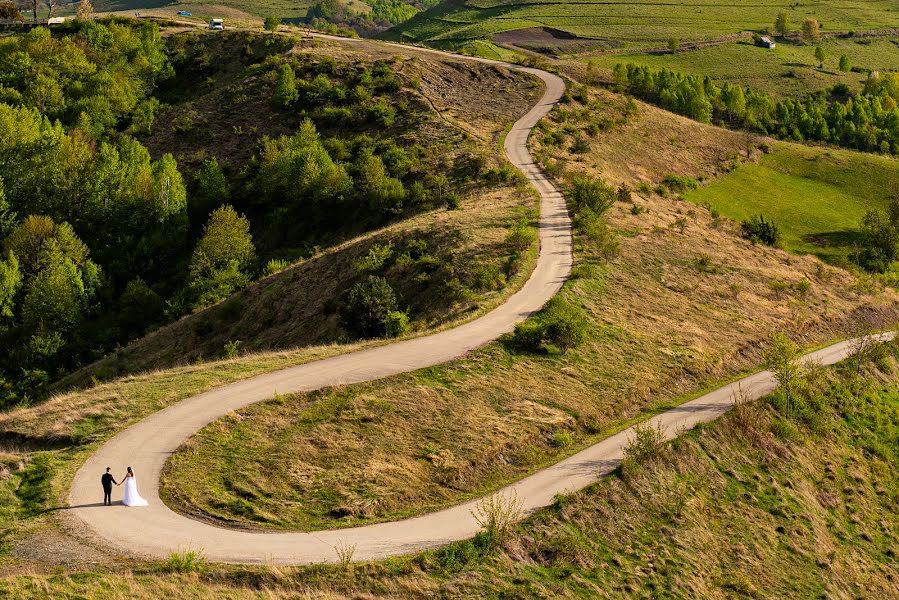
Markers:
(867, 120)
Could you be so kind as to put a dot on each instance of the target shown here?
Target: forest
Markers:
(101, 242)
(867, 120)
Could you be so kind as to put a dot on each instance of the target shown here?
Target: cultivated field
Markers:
(788, 70)
(635, 24)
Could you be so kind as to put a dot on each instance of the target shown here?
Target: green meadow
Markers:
(639, 23)
(816, 196)
(788, 70)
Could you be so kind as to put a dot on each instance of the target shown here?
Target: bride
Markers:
(131, 497)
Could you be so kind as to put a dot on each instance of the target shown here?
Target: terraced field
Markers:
(788, 70)
(634, 24)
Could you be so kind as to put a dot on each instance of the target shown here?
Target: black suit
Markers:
(107, 481)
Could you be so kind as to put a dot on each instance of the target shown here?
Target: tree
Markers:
(285, 86)
(271, 23)
(781, 24)
(52, 5)
(33, 6)
(211, 190)
(782, 359)
(10, 12)
(880, 240)
(84, 11)
(366, 307)
(811, 31)
(674, 44)
(845, 65)
(819, 56)
(10, 282)
(226, 240)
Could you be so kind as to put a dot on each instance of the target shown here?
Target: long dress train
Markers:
(131, 497)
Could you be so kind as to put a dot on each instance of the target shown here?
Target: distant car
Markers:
(217, 24)
(183, 13)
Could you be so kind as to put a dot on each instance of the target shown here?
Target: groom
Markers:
(107, 480)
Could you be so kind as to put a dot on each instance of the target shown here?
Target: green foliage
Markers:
(231, 348)
(644, 445)
(271, 23)
(396, 323)
(782, 24)
(210, 190)
(864, 121)
(286, 92)
(219, 263)
(820, 55)
(845, 63)
(374, 261)
(594, 194)
(186, 561)
(275, 265)
(557, 328)
(365, 308)
(782, 359)
(880, 238)
(520, 237)
(760, 231)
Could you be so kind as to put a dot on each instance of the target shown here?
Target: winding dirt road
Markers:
(156, 531)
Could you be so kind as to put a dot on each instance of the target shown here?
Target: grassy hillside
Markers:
(644, 23)
(685, 303)
(762, 503)
(443, 264)
(788, 70)
(817, 197)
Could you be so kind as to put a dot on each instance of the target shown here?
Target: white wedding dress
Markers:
(131, 497)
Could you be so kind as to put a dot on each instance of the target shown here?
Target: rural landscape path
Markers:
(156, 531)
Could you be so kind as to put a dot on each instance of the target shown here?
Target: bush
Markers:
(759, 231)
(271, 23)
(593, 194)
(678, 183)
(365, 307)
(231, 348)
(644, 445)
(520, 237)
(375, 260)
(275, 265)
(558, 327)
(396, 323)
(187, 561)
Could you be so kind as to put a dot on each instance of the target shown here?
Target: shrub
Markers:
(679, 183)
(271, 23)
(595, 229)
(375, 260)
(365, 306)
(231, 348)
(558, 327)
(520, 237)
(594, 194)
(644, 445)
(562, 439)
(759, 231)
(486, 277)
(496, 514)
(396, 323)
(580, 146)
(275, 265)
(186, 561)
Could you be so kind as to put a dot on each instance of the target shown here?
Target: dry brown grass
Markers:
(662, 328)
